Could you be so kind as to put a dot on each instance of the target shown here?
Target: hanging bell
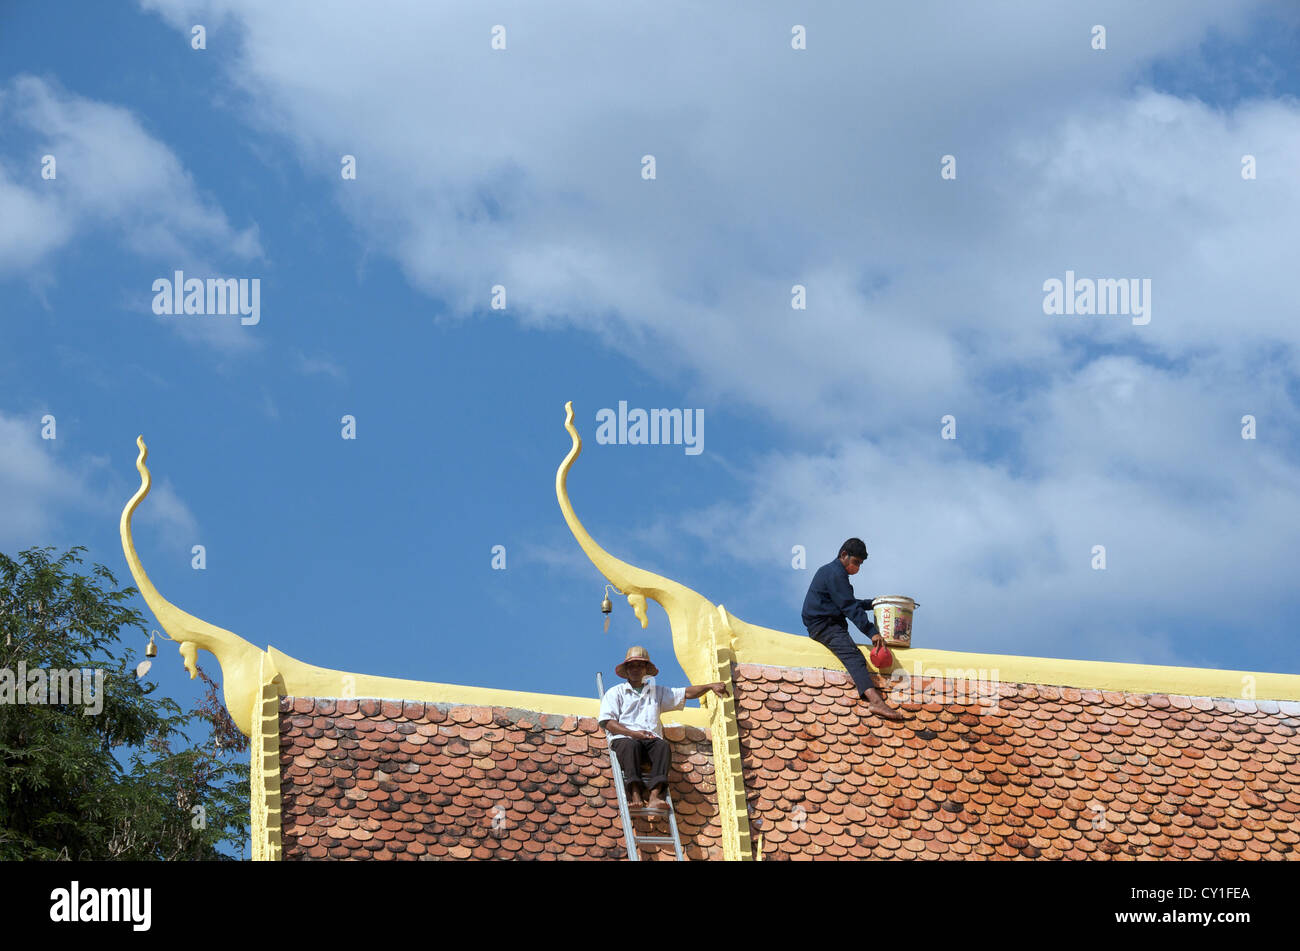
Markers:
(152, 649)
(606, 606)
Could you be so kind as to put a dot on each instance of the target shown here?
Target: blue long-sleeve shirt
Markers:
(830, 599)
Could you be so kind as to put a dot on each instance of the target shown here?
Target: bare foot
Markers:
(657, 805)
(884, 710)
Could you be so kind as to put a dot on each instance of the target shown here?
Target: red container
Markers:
(882, 657)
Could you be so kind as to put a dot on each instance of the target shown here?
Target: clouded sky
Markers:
(524, 167)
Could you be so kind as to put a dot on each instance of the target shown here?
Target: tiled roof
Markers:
(371, 779)
(1036, 771)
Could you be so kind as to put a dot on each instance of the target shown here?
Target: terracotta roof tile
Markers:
(1022, 771)
(1044, 772)
(442, 781)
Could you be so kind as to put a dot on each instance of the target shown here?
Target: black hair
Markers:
(854, 549)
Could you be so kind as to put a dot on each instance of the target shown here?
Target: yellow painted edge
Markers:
(307, 680)
(728, 772)
(242, 662)
(264, 761)
(755, 645)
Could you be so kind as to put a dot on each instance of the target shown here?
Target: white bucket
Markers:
(894, 619)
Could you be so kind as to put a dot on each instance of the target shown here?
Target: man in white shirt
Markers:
(630, 715)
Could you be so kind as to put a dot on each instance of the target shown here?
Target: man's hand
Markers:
(698, 690)
(618, 729)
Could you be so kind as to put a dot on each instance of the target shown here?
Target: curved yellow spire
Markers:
(696, 621)
(699, 626)
(239, 659)
(248, 673)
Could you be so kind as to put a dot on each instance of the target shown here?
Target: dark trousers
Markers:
(632, 753)
(837, 640)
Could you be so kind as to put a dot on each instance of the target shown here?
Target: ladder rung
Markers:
(665, 839)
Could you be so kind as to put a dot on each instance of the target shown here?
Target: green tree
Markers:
(140, 780)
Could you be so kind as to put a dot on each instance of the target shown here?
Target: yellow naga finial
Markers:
(239, 659)
(252, 677)
(705, 638)
(699, 626)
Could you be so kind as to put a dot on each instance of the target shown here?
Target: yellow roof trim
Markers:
(243, 664)
(264, 803)
(691, 616)
(1011, 668)
(307, 680)
(728, 768)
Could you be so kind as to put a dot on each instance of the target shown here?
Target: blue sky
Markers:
(523, 167)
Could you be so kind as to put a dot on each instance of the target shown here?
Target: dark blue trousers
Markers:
(632, 753)
(839, 643)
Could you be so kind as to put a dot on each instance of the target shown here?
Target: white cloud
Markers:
(1195, 521)
(165, 514)
(563, 557)
(30, 471)
(111, 176)
(775, 167)
(57, 490)
(318, 366)
(778, 167)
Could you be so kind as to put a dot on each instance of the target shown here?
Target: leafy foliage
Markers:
(128, 782)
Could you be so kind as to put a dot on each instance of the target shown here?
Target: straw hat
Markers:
(636, 653)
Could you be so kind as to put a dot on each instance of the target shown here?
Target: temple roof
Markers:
(1044, 758)
(1019, 771)
(371, 779)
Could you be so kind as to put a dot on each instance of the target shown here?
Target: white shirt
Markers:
(639, 709)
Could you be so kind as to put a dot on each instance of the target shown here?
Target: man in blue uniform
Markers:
(826, 610)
